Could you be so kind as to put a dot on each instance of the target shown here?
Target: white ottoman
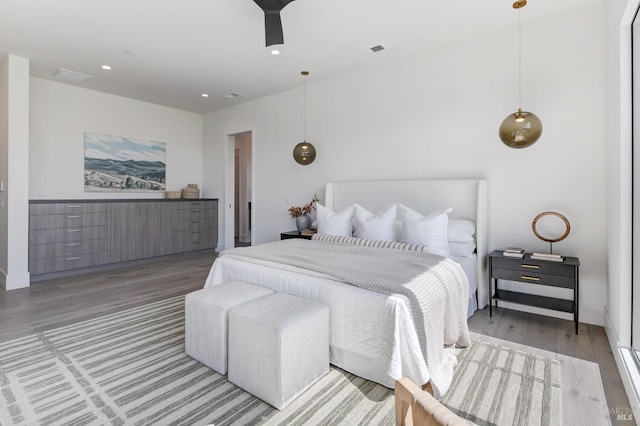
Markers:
(206, 320)
(278, 347)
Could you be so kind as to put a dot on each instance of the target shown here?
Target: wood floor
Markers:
(62, 301)
(54, 303)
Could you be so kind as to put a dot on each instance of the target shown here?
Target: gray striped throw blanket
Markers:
(436, 288)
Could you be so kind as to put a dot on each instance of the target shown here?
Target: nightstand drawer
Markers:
(532, 277)
(527, 265)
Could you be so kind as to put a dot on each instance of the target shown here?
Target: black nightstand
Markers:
(293, 234)
(555, 274)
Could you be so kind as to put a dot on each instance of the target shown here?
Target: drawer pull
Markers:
(195, 242)
(73, 230)
(530, 266)
(195, 232)
(72, 258)
(73, 244)
(195, 221)
(77, 206)
(524, 277)
(74, 217)
(195, 211)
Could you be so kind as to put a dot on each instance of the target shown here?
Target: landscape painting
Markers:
(121, 164)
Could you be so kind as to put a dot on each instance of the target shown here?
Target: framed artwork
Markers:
(121, 164)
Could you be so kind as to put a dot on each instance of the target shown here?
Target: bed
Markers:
(372, 334)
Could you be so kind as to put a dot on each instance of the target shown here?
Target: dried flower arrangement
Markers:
(304, 210)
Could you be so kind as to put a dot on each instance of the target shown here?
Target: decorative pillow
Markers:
(430, 230)
(378, 226)
(368, 243)
(461, 231)
(338, 223)
(462, 249)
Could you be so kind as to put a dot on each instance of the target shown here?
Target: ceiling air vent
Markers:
(72, 76)
(371, 50)
(232, 95)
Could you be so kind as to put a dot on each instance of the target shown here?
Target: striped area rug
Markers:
(130, 368)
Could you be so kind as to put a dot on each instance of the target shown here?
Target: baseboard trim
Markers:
(589, 313)
(627, 368)
(15, 281)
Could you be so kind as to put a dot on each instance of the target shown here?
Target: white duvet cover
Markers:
(371, 334)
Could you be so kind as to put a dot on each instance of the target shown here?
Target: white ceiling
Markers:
(169, 52)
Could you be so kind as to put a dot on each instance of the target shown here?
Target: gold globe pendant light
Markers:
(304, 153)
(522, 128)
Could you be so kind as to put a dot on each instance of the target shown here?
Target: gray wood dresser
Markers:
(72, 234)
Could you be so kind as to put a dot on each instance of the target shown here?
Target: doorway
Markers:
(238, 226)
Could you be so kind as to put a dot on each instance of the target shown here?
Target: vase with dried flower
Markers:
(301, 214)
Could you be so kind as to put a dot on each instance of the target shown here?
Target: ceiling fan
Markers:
(272, 22)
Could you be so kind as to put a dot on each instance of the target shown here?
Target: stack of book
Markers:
(513, 252)
(547, 256)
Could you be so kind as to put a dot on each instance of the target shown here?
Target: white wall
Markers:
(59, 116)
(619, 15)
(4, 158)
(14, 178)
(618, 161)
(437, 115)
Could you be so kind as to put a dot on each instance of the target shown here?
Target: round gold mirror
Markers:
(304, 153)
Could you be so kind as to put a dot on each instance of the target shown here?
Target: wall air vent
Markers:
(232, 95)
(72, 76)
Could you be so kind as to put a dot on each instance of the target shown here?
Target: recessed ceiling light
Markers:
(275, 52)
(205, 95)
(232, 95)
(106, 67)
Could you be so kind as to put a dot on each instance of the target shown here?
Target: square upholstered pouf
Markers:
(278, 347)
(206, 320)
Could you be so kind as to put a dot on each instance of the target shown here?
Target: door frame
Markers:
(229, 191)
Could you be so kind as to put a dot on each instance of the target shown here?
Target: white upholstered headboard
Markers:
(467, 197)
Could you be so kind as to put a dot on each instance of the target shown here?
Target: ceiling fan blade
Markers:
(273, 29)
(272, 21)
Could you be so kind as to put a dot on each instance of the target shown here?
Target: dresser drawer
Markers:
(529, 276)
(45, 236)
(201, 244)
(186, 205)
(43, 251)
(528, 265)
(195, 235)
(70, 220)
(195, 213)
(193, 225)
(70, 207)
(63, 263)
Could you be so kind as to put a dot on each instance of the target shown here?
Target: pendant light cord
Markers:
(304, 108)
(519, 57)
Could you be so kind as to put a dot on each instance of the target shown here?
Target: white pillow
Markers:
(430, 230)
(338, 223)
(461, 231)
(378, 226)
(462, 249)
